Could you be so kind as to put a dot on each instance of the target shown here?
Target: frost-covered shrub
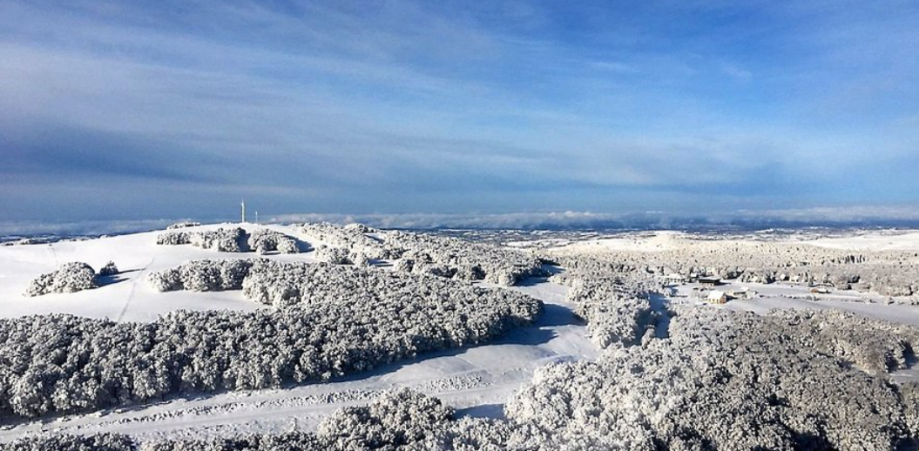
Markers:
(360, 259)
(334, 255)
(222, 240)
(109, 269)
(424, 254)
(616, 307)
(890, 273)
(652, 398)
(183, 225)
(201, 275)
(340, 320)
(289, 441)
(166, 280)
(98, 442)
(404, 265)
(722, 380)
(174, 238)
(352, 238)
(465, 260)
(874, 346)
(69, 278)
(280, 284)
(265, 240)
(396, 419)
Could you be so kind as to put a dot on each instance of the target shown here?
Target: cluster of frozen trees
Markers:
(355, 239)
(234, 239)
(890, 273)
(264, 241)
(615, 310)
(341, 256)
(398, 420)
(452, 257)
(284, 284)
(69, 278)
(341, 320)
(614, 303)
(201, 275)
(874, 346)
(721, 381)
(423, 254)
(726, 381)
(222, 240)
(99, 442)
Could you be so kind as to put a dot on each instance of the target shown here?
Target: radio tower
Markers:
(243, 204)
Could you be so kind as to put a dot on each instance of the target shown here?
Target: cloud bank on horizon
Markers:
(129, 109)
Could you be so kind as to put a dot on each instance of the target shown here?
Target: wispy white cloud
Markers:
(403, 106)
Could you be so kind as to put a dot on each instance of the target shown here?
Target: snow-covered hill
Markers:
(478, 379)
(127, 298)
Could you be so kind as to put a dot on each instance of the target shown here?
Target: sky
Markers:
(133, 110)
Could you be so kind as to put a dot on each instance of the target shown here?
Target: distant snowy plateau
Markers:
(301, 336)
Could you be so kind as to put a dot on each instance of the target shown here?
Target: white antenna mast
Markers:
(256, 216)
(243, 203)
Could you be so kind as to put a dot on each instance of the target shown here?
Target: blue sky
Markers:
(138, 109)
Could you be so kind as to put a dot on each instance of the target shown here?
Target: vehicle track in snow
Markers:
(137, 279)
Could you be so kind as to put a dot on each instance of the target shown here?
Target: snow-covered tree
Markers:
(109, 269)
(69, 278)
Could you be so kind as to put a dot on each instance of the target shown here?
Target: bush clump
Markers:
(202, 275)
(221, 240)
(264, 241)
(110, 269)
(69, 278)
(423, 254)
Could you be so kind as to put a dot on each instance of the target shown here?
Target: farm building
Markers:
(717, 297)
(743, 293)
(675, 278)
(709, 281)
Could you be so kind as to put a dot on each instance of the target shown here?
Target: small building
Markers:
(709, 281)
(675, 278)
(743, 293)
(717, 297)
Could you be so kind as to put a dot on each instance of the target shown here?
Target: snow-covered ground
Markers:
(638, 242)
(877, 241)
(476, 380)
(663, 240)
(128, 298)
(792, 296)
(785, 296)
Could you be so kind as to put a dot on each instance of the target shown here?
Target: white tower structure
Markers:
(243, 203)
(256, 216)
